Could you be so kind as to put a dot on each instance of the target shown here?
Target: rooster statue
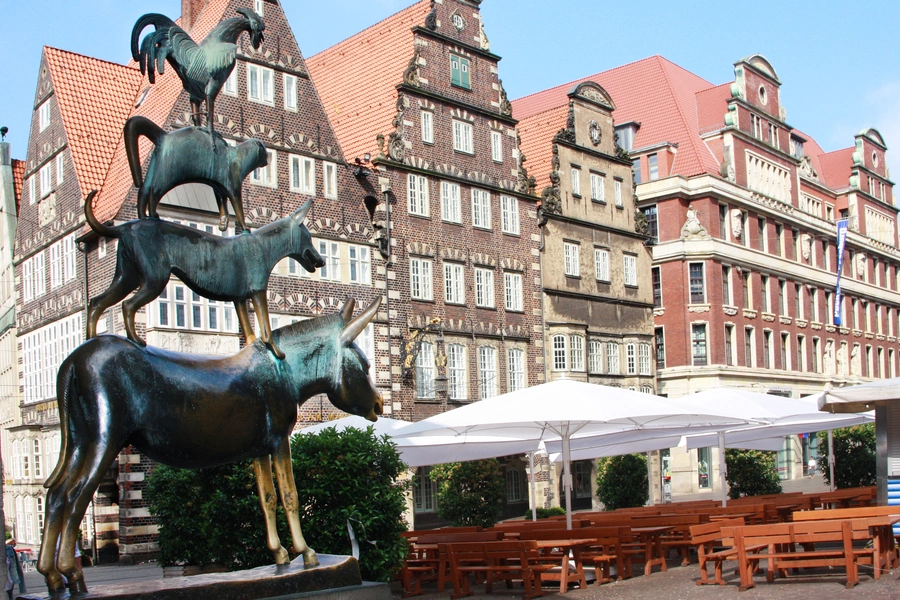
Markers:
(203, 68)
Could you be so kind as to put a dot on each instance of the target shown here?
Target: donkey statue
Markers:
(192, 411)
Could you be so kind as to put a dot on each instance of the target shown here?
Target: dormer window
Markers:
(626, 133)
(796, 147)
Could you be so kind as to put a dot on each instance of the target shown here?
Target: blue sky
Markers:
(838, 61)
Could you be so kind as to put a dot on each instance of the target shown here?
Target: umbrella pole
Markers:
(567, 476)
(723, 468)
(649, 481)
(533, 494)
(831, 457)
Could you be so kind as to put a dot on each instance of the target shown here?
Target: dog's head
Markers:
(302, 249)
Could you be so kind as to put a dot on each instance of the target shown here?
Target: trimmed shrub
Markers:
(751, 473)
(470, 493)
(543, 513)
(854, 456)
(622, 481)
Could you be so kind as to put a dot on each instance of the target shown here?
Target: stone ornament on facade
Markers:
(505, 104)
(726, 169)
(595, 133)
(567, 134)
(806, 168)
(411, 74)
(737, 223)
(484, 43)
(457, 20)
(396, 146)
(551, 202)
(730, 310)
(431, 21)
(698, 308)
(692, 228)
(525, 184)
(860, 263)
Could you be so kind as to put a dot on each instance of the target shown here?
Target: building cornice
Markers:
(424, 31)
(413, 90)
(590, 151)
(595, 226)
(596, 298)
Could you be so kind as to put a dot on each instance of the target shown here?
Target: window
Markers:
(630, 266)
(484, 288)
(260, 84)
(816, 355)
(330, 252)
(459, 72)
(420, 278)
(612, 358)
(453, 283)
(746, 290)
(726, 285)
(768, 359)
(653, 166)
(560, 353)
(487, 372)
(756, 127)
(60, 169)
(56, 265)
(636, 170)
(360, 265)
(761, 226)
(601, 263)
(704, 461)
(576, 182)
(267, 175)
(698, 343)
(425, 371)
(723, 221)
(576, 352)
(798, 301)
(42, 352)
(450, 205)
(196, 311)
(785, 351)
(28, 280)
(497, 146)
(630, 359)
(258, 7)
(598, 188)
(40, 275)
(330, 177)
(773, 135)
(570, 252)
(462, 137)
(456, 372)
(513, 285)
(779, 239)
(32, 189)
(427, 127)
(657, 287)
(509, 214)
(764, 288)
(660, 340)
(303, 175)
(46, 174)
(424, 491)
(417, 194)
(38, 459)
(231, 84)
(595, 356)
(513, 485)
(172, 309)
(801, 353)
(749, 355)
(481, 208)
(618, 192)
(698, 294)
(652, 222)
(290, 92)
(515, 369)
(729, 345)
(44, 115)
(782, 297)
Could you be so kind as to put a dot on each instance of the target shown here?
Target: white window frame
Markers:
(360, 264)
(230, 88)
(487, 372)
(44, 115)
(559, 344)
(457, 378)
(576, 181)
(331, 254)
(601, 264)
(481, 208)
(454, 283)
(513, 291)
(303, 175)
(425, 371)
(32, 189)
(576, 352)
(497, 146)
(427, 119)
(329, 177)
(265, 82)
(631, 358)
(618, 192)
(290, 92)
(484, 287)
(598, 187)
(451, 203)
(68, 258)
(417, 194)
(613, 363)
(509, 214)
(46, 174)
(644, 359)
(56, 265)
(420, 270)
(60, 168)
(571, 259)
(40, 274)
(42, 352)
(462, 137)
(258, 7)
(595, 356)
(267, 176)
(515, 369)
(629, 265)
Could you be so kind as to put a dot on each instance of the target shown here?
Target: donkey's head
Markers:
(302, 249)
(352, 390)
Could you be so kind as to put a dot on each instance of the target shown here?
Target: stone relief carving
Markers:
(431, 19)
(595, 133)
(730, 310)
(726, 170)
(567, 134)
(737, 223)
(593, 94)
(411, 74)
(806, 168)
(692, 228)
(484, 42)
(842, 361)
(855, 362)
(47, 210)
(829, 358)
(524, 183)
(699, 308)
(805, 246)
(396, 143)
(550, 196)
(505, 104)
(860, 263)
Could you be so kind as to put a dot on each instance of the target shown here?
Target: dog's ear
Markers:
(300, 213)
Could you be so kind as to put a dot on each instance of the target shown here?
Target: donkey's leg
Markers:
(262, 466)
(261, 305)
(146, 293)
(243, 315)
(285, 472)
(53, 522)
(124, 281)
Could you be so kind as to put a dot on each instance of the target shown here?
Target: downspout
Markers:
(386, 190)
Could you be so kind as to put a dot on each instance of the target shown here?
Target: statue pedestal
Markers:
(336, 578)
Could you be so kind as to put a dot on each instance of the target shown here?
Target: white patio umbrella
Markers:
(858, 398)
(561, 409)
(381, 427)
(777, 417)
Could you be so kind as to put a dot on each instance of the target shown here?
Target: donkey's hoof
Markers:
(276, 351)
(310, 559)
(55, 583)
(78, 586)
(282, 557)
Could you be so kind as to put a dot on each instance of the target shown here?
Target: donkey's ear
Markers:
(300, 213)
(347, 310)
(355, 327)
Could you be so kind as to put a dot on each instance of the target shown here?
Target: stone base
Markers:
(325, 581)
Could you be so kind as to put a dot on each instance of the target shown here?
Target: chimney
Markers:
(190, 12)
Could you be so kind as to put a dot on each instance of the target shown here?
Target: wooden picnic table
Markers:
(734, 515)
(564, 546)
(651, 537)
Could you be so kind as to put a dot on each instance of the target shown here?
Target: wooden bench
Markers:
(606, 550)
(679, 537)
(496, 561)
(707, 537)
(780, 541)
(431, 564)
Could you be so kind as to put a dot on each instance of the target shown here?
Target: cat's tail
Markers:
(135, 127)
(96, 225)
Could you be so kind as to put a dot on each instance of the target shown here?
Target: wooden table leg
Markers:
(579, 568)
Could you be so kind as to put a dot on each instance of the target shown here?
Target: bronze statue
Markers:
(234, 269)
(196, 411)
(183, 157)
(203, 69)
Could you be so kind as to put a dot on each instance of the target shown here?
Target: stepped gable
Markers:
(94, 97)
(370, 63)
(156, 106)
(835, 168)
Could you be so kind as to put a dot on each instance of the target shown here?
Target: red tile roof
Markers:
(537, 134)
(834, 168)
(356, 79)
(156, 107)
(712, 104)
(654, 92)
(18, 169)
(94, 97)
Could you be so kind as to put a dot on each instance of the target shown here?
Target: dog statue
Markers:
(184, 156)
(234, 269)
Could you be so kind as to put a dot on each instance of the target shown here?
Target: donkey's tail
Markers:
(96, 225)
(65, 389)
(135, 127)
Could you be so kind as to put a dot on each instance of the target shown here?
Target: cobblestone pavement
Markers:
(678, 584)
